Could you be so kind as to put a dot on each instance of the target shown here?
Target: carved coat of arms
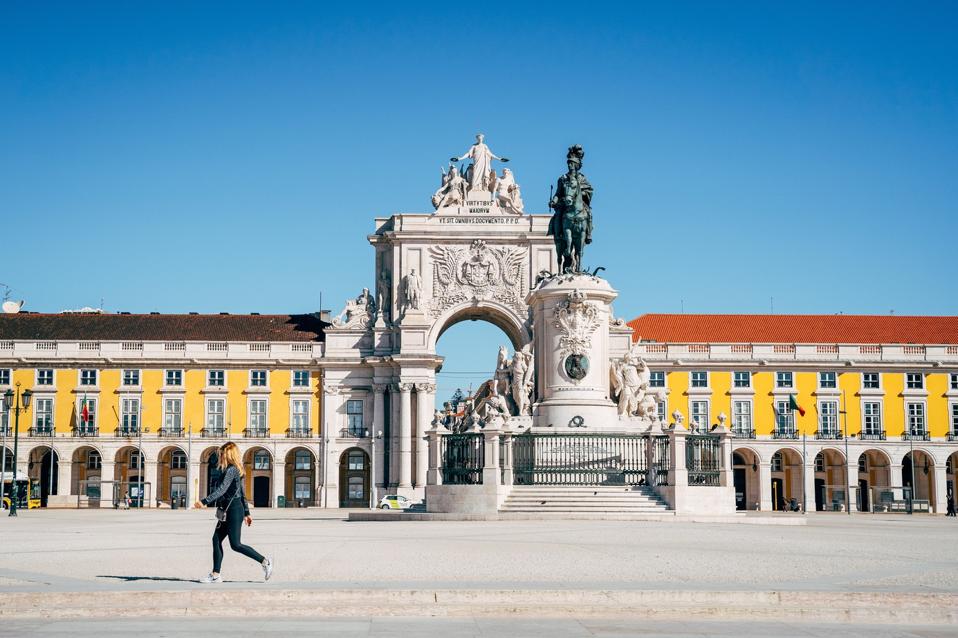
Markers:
(577, 319)
(479, 272)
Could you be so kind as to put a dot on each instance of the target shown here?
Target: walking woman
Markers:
(231, 510)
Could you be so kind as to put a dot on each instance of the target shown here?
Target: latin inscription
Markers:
(479, 220)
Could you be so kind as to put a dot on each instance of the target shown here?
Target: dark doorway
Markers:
(819, 495)
(260, 491)
(46, 474)
(863, 503)
(738, 477)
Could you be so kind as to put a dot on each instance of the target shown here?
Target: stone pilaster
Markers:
(425, 398)
(765, 486)
(405, 435)
(279, 482)
(379, 423)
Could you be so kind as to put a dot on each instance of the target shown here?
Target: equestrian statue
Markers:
(571, 224)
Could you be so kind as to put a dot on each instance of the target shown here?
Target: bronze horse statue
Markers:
(571, 224)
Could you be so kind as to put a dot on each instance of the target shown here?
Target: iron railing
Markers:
(742, 433)
(462, 458)
(835, 435)
(785, 434)
(41, 431)
(213, 433)
(171, 432)
(86, 430)
(256, 433)
(299, 433)
(661, 460)
(872, 436)
(915, 436)
(580, 459)
(703, 459)
(126, 433)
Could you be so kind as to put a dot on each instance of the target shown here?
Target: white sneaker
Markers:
(268, 568)
(211, 578)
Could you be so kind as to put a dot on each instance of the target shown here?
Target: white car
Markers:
(394, 502)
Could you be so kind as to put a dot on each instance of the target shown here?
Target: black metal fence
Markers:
(462, 458)
(703, 459)
(580, 459)
(661, 460)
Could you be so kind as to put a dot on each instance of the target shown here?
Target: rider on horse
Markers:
(571, 224)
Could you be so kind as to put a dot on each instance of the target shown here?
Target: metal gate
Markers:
(462, 458)
(581, 459)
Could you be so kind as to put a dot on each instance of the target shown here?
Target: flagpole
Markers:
(848, 487)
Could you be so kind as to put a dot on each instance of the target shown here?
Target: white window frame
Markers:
(777, 463)
(302, 453)
(293, 382)
(92, 425)
(738, 418)
(300, 481)
(91, 464)
(953, 381)
(662, 409)
(879, 417)
(4, 418)
(166, 378)
(791, 379)
(178, 454)
(260, 453)
(265, 383)
(293, 414)
(8, 373)
(784, 416)
(823, 414)
(921, 378)
(692, 383)
(53, 377)
(921, 419)
(130, 421)
(84, 383)
(209, 378)
(654, 376)
(209, 413)
(748, 379)
(953, 417)
(821, 380)
(52, 412)
(865, 387)
(708, 412)
(123, 377)
(172, 415)
(258, 428)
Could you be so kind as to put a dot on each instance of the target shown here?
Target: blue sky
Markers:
(231, 156)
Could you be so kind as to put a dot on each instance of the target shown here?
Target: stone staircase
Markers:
(585, 501)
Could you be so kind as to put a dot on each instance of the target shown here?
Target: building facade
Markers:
(879, 395)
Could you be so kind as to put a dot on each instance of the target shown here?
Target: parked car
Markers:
(394, 502)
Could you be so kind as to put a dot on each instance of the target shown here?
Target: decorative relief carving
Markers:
(577, 319)
(379, 388)
(425, 387)
(405, 387)
(478, 273)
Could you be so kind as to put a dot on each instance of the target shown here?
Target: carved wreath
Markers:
(577, 319)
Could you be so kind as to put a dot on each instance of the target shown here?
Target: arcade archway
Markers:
(354, 478)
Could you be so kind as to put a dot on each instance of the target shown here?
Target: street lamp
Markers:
(17, 402)
(373, 503)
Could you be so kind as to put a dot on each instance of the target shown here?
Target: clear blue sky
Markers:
(231, 157)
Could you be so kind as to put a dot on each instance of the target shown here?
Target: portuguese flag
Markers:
(84, 411)
(794, 406)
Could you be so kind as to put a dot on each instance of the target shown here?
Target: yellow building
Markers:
(879, 391)
(129, 408)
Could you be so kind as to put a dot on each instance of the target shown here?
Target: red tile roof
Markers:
(160, 327)
(874, 329)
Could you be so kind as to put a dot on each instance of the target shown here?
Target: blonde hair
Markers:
(230, 455)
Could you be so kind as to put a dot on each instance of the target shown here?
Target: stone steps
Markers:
(584, 500)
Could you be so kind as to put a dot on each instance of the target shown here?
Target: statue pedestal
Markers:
(571, 315)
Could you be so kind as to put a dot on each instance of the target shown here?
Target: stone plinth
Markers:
(571, 315)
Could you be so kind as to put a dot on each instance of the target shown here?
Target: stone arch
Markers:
(829, 480)
(172, 475)
(86, 473)
(874, 480)
(259, 476)
(39, 462)
(745, 475)
(918, 473)
(300, 478)
(951, 485)
(130, 481)
(499, 315)
(354, 474)
(786, 477)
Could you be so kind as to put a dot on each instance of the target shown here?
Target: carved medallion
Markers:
(478, 273)
(577, 366)
(577, 319)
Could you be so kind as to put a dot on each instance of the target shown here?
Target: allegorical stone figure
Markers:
(522, 374)
(452, 191)
(383, 295)
(481, 157)
(411, 291)
(507, 193)
(571, 223)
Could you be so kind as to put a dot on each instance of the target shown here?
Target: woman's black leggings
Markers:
(232, 527)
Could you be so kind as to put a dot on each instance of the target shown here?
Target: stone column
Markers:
(151, 492)
(854, 498)
(809, 465)
(434, 475)
(107, 470)
(64, 478)
(192, 482)
(425, 398)
(725, 445)
(405, 435)
(393, 439)
(941, 489)
(379, 423)
(279, 482)
(330, 430)
(490, 466)
(765, 486)
(507, 475)
(679, 474)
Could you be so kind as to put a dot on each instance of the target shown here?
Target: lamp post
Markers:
(17, 402)
(373, 503)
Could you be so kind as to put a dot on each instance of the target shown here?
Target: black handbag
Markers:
(221, 511)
